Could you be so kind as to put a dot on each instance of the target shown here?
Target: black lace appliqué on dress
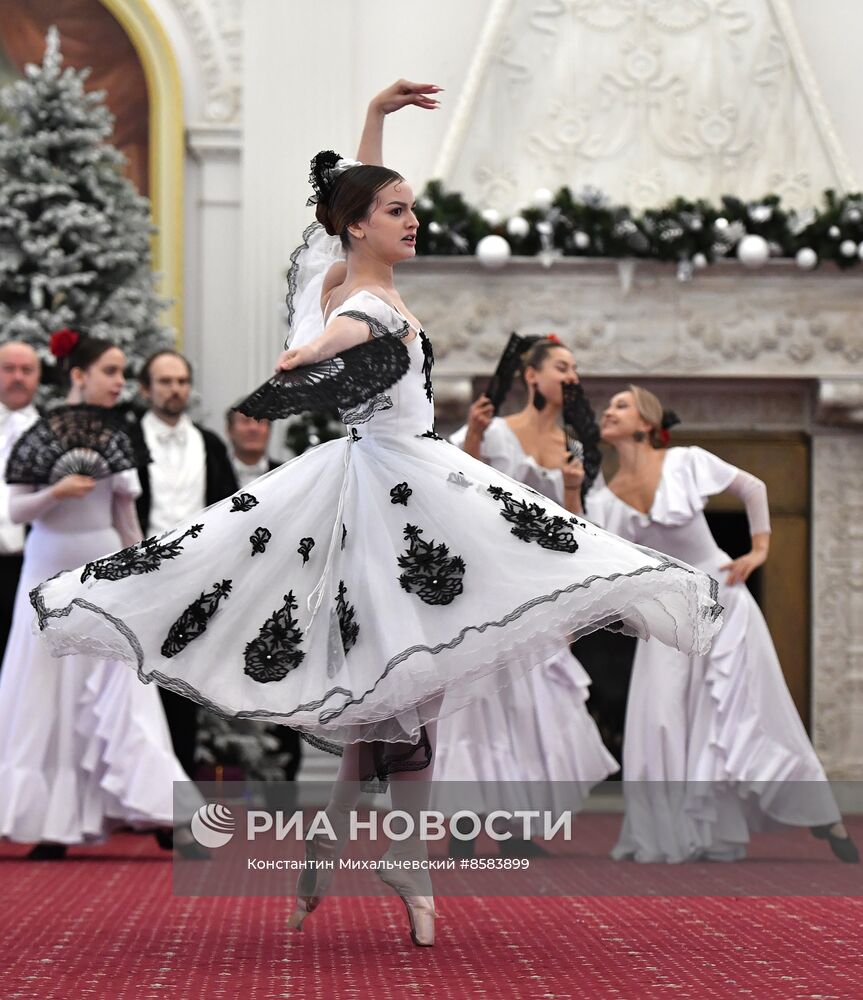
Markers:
(145, 557)
(275, 653)
(400, 494)
(433, 434)
(305, 548)
(347, 626)
(365, 411)
(532, 524)
(430, 572)
(428, 364)
(194, 620)
(344, 536)
(376, 328)
(259, 539)
(244, 502)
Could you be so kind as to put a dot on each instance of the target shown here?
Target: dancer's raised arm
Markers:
(401, 94)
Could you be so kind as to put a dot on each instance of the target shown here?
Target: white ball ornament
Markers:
(435, 228)
(491, 217)
(543, 199)
(544, 228)
(582, 240)
(848, 248)
(753, 251)
(806, 258)
(425, 203)
(493, 252)
(760, 213)
(721, 223)
(699, 261)
(854, 215)
(834, 232)
(518, 227)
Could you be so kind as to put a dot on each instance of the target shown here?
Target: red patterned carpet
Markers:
(105, 925)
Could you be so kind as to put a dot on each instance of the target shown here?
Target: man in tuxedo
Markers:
(189, 469)
(249, 440)
(19, 379)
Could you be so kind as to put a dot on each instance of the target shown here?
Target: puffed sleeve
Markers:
(380, 317)
(126, 484)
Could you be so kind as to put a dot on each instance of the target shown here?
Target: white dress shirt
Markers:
(13, 423)
(178, 473)
(249, 473)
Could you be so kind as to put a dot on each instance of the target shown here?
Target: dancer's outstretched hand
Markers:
(403, 94)
(291, 359)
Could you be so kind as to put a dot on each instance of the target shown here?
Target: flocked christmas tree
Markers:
(74, 232)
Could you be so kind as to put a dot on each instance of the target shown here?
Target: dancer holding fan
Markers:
(84, 748)
(537, 734)
(713, 745)
(378, 582)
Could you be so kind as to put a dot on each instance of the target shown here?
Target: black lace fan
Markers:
(73, 440)
(342, 382)
(582, 432)
(507, 367)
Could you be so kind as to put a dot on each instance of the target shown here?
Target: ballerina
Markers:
(713, 745)
(83, 748)
(375, 583)
(539, 730)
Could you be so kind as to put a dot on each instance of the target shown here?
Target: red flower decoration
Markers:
(63, 342)
(553, 337)
(664, 436)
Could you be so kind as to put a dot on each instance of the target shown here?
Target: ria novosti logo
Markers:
(213, 825)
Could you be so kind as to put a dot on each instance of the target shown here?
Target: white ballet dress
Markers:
(537, 733)
(713, 745)
(373, 583)
(84, 748)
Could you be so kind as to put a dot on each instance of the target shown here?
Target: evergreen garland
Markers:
(587, 224)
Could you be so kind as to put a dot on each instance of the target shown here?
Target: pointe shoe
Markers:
(843, 847)
(421, 911)
(313, 882)
(421, 915)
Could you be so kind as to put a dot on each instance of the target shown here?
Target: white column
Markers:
(213, 338)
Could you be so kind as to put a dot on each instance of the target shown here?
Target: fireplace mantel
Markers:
(632, 318)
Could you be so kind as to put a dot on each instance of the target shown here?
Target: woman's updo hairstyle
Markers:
(76, 350)
(345, 191)
(539, 350)
(661, 421)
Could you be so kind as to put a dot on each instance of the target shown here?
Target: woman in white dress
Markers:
(537, 733)
(84, 748)
(713, 745)
(373, 584)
